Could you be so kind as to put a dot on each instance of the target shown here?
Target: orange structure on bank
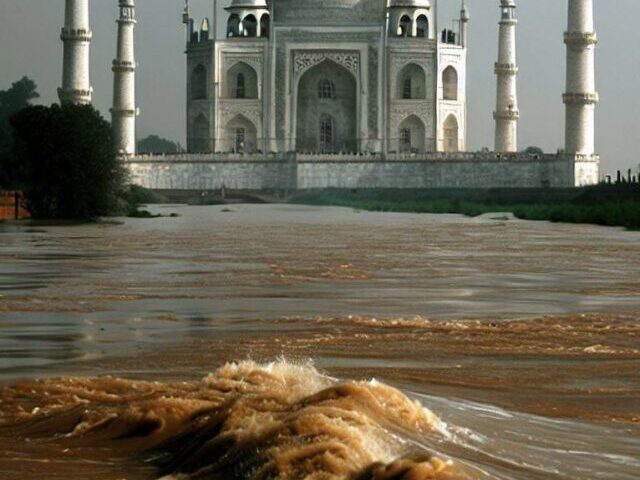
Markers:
(12, 206)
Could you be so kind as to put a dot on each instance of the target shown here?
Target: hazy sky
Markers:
(30, 45)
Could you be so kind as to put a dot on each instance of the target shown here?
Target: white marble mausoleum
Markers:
(327, 77)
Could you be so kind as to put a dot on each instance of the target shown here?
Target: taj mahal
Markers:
(298, 94)
(331, 76)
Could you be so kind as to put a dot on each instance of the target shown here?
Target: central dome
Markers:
(248, 4)
(329, 12)
(409, 3)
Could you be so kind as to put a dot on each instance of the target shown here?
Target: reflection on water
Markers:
(461, 314)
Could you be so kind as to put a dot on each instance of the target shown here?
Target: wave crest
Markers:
(246, 421)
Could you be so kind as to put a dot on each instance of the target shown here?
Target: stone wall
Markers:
(587, 170)
(274, 172)
(193, 172)
(435, 174)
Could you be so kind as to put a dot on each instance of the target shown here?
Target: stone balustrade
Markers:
(352, 157)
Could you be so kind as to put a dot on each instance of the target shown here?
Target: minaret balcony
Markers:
(123, 66)
(81, 35)
(506, 68)
(75, 95)
(580, 98)
(507, 115)
(124, 112)
(580, 38)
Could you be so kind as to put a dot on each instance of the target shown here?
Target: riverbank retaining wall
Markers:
(301, 172)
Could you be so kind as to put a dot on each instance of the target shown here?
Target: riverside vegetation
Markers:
(64, 160)
(609, 205)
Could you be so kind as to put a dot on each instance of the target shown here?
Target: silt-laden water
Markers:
(513, 347)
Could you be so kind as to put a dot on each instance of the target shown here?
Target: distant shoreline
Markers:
(606, 205)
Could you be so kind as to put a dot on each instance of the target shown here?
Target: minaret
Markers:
(76, 37)
(187, 21)
(506, 69)
(123, 113)
(581, 97)
(464, 25)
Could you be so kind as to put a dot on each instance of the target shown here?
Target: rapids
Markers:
(288, 421)
(246, 421)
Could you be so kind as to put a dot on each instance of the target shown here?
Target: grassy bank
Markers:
(610, 205)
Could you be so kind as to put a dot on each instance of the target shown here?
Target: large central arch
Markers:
(327, 110)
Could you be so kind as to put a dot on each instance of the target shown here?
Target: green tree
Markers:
(156, 144)
(534, 151)
(13, 100)
(68, 164)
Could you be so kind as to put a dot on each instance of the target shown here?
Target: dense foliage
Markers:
(66, 162)
(611, 205)
(13, 100)
(156, 144)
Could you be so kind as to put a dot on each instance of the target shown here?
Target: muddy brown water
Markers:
(367, 345)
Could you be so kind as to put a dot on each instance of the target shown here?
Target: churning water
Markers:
(500, 349)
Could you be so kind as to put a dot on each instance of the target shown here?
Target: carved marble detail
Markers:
(373, 92)
(303, 60)
(251, 109)
(424, 110)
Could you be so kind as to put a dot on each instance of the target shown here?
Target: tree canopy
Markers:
(534, 151)
(156, 144)
(67, 162)
(13, 100)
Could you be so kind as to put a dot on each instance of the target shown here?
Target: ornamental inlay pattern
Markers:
(373, 89)
(303, 60)
(251, 110)
(423, 110)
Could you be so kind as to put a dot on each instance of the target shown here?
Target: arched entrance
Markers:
(241, 82)
(450, 83)
(412, 83)
(233, 26)
(422, 27)
(200, 140)
(250, 26)
(265, 22)
(405, 27)
(326, 113)
(411, 135)
(240, 135)
(451, 134)
(199, 83)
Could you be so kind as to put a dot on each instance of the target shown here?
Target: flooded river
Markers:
(366, 346)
